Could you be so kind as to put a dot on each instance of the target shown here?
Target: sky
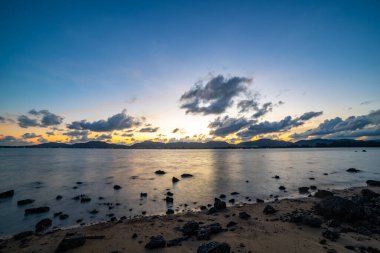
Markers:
(129, 71)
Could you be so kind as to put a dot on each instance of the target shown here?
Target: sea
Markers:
(42, 174)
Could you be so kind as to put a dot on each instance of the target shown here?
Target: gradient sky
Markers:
(90, 60)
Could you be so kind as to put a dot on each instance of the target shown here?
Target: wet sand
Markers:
(260, 233)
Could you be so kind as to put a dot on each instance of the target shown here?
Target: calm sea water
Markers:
(42, 174)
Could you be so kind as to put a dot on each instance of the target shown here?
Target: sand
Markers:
(260, 234)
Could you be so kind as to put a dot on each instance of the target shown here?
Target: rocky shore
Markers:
(337, 221)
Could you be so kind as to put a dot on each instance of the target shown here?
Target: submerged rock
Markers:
(156, 242)
(25, 202)
(282, 188)
(59, 197)
(71, 241)
(214, 247)
(43, 224)
(303, 190)
(353, 170)
(7, 194)
(117, 187)
(373, 183)
(34, 210)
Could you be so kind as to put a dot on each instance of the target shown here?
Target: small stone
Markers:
(244, 215)
(214, 247)
(160, 172)
(156, 242)
(117, 187)
(175, 180)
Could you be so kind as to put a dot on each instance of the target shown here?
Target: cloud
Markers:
(42, 118)
(346, 127)
(2, 119)
(9, 140)
(267, 107)
(175, 130)
(77, 133)
(215, 96)
(277, 126)
(30, 135)
(248, 105)
(118, 121)
(149, 129)
(366, 102)
(127, 135)
(223, 126)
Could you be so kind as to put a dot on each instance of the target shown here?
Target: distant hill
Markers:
(262, 143)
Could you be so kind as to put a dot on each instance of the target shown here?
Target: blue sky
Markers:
(92, 59)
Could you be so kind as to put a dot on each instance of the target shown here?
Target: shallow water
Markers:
(42, 174)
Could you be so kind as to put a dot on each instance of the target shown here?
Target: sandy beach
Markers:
(295, 226)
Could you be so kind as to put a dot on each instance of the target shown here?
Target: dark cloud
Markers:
(77, 133)
(267, 107)
(30, 135)
(118, 121)
(128, 135)
(248, 105)
(346, 127)
(2, 119)
(42, 118)
(215, 96)
(175, 130)
(103, 137)
(149, 129)
(223, 126)
(12, 141)
(50, 133)
(277, 126)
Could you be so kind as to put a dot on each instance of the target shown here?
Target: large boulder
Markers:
(303, 190)
(156, 242)
(7, 194)
(323, 194)
(190, 228)
(339, 208)
(43, 224)
(373, 183)
(219, 204)
(269, 209)
(34, 210)
(214, 247)
(71, 241)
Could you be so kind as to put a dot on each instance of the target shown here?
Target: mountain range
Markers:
(262, 143)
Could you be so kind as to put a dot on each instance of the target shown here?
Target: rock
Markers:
(22, 235)
(43, 224)
(175, 242)
(282, 188)
(338, 208)
(231, 224)
(313, 187)
(156, 242)
(63, 216)
(323, 194)
(186, 175)
(203, 234)
(169, 199)
(59, 197)
(276, 177)
(219, 204)
(169, 194)
(160, 172)
(222, 196)
(269, 209)
(373, 183)
(34, 210)
(353, 170)
(259, 201)
(25, 202)
(175, 180)
(85, 200)
(311, 178)
(190, 228)
(244, 216)
(369, 194)
(214, 247)
(364, 150)
(305, 219)
(94, 211)
(71, 241)
(134, 236)
(7, 194)
(332, 223)
(234, 193)
(303, 190)
(117, 187)
(170, 211)
(232, 201)
(143, 195)
(331, 235)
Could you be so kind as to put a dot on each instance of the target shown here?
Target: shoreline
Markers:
(259, 232)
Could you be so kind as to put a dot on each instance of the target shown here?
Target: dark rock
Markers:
(214, 247)
(85, 200)
(59, 197)
(269, 209)
(373, 183)
(331, 235)
(244, 216)
(34, 210)
(71, 241)
(170, 211)
(282, 188)
(190, 228)
(134, 236)
(43, 224)
(219, 204)
(231, 224)
(311, 178)
(169, 199)
(117, 187)
(156, 242)
(95, 237)
(203, 234)
(331, 251)
(175, 180)
(94, 211)
(203, 207)
(63, 216)
(222, 196)
(369, 194)
(186, 175)
(276, 177)
(259, 201)
(332, 223)
(323, 194)
(7, 194)
(306, 219)
(353, 170)
(212, 210)
(364, 150)
(338, 208)
(234, 193)
(232, 201)
(175, 242)
(349, 247)
(160, 172)
(23, 235)
(303, 190)
(25, 202)
(143, 195)
(313, 187)
(169, 194)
